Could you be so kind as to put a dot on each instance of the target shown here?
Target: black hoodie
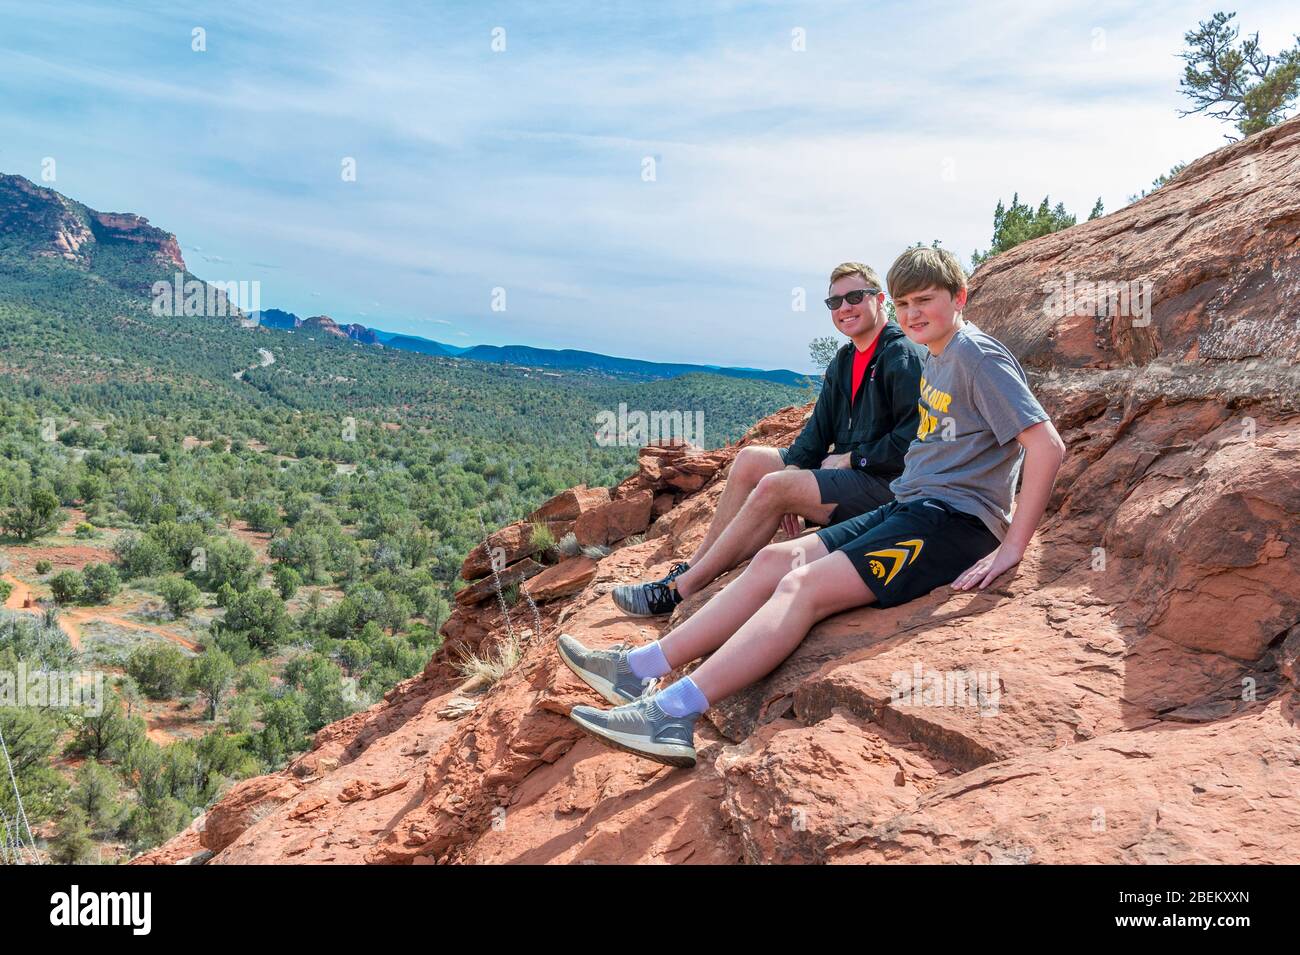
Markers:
(876, 429)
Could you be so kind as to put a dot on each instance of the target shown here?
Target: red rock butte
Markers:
(1137, 674)
(71, 230)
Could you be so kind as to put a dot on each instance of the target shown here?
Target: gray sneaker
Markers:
(643, 729)
(605, 671)
(647, 600)
(651, 599)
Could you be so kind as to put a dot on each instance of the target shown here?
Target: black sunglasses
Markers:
(853, 298)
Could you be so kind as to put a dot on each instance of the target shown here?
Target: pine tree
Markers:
(96, 794)
(1237, 83)
(1021, 222)
(72, 845)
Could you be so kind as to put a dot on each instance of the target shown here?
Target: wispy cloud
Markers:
(529, 169)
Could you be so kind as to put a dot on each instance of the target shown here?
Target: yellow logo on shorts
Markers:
(900, 557)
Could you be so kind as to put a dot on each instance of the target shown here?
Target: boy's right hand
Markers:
(790, 523)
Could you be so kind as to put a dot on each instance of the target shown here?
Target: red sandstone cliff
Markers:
(59, 227)
(125, 227)
(1144, 651)
(323, 324)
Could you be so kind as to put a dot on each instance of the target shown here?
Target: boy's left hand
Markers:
(989, 568)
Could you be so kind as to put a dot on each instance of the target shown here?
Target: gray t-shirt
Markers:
(975, 400)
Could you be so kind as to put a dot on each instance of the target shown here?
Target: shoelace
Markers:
(657, 592)
(637, 713)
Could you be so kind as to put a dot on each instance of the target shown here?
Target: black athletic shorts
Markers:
(852, 492)
(903, 551)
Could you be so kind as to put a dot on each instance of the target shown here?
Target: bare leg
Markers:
(717, 620)
(751, 464)
(785, 492)
(802, 598)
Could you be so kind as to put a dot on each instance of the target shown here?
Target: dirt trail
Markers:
(162, 728)
(19, 595)
(81, 615)
(20, 598)
(71, 619)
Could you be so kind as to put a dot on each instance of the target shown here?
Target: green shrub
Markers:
(541, 540)
(180, 595)
(141, 556)
(66, 586)
(101, 583)
(286, 580)
(159, 669)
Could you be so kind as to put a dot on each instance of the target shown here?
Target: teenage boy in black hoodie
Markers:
(866, 415)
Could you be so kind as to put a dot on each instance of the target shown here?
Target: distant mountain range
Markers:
(127, 251)
(567, 359)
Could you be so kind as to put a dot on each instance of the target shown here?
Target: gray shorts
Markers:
(852, 492)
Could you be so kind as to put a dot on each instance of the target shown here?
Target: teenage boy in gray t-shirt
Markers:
(950, 523)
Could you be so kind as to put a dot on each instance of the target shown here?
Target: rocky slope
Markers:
(1136, 676)
(54, 226)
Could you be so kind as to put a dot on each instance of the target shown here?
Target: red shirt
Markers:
(861, 359)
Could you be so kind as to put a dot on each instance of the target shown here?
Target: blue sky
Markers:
(523, 169)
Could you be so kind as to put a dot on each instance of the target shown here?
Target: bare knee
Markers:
(775, 562)
(776, 492)
(752, 463)
(808, 588)
(797, 583)
(774, 559)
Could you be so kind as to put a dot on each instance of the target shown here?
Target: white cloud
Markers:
(901, 122)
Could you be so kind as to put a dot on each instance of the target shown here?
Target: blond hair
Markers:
(856, 268)
(923, 267)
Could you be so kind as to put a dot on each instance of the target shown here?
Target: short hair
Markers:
(856, 268)
(921, 267)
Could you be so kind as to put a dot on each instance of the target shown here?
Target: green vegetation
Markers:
(1236, 81)
(304, 523)
(1020, 222)
(1159, 181)
(31, 511)
(822, 349)
(180, 595)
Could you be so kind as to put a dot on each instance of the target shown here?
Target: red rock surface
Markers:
(510, 544)
(126, 227)
(64, 228)
(565, 578)
(323, 324)
(1135, 690)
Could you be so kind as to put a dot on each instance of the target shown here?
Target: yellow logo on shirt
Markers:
(927, 424)
(937, 400)
(899, 557)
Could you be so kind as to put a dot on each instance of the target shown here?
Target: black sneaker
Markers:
(647, 600)
(678, 569)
